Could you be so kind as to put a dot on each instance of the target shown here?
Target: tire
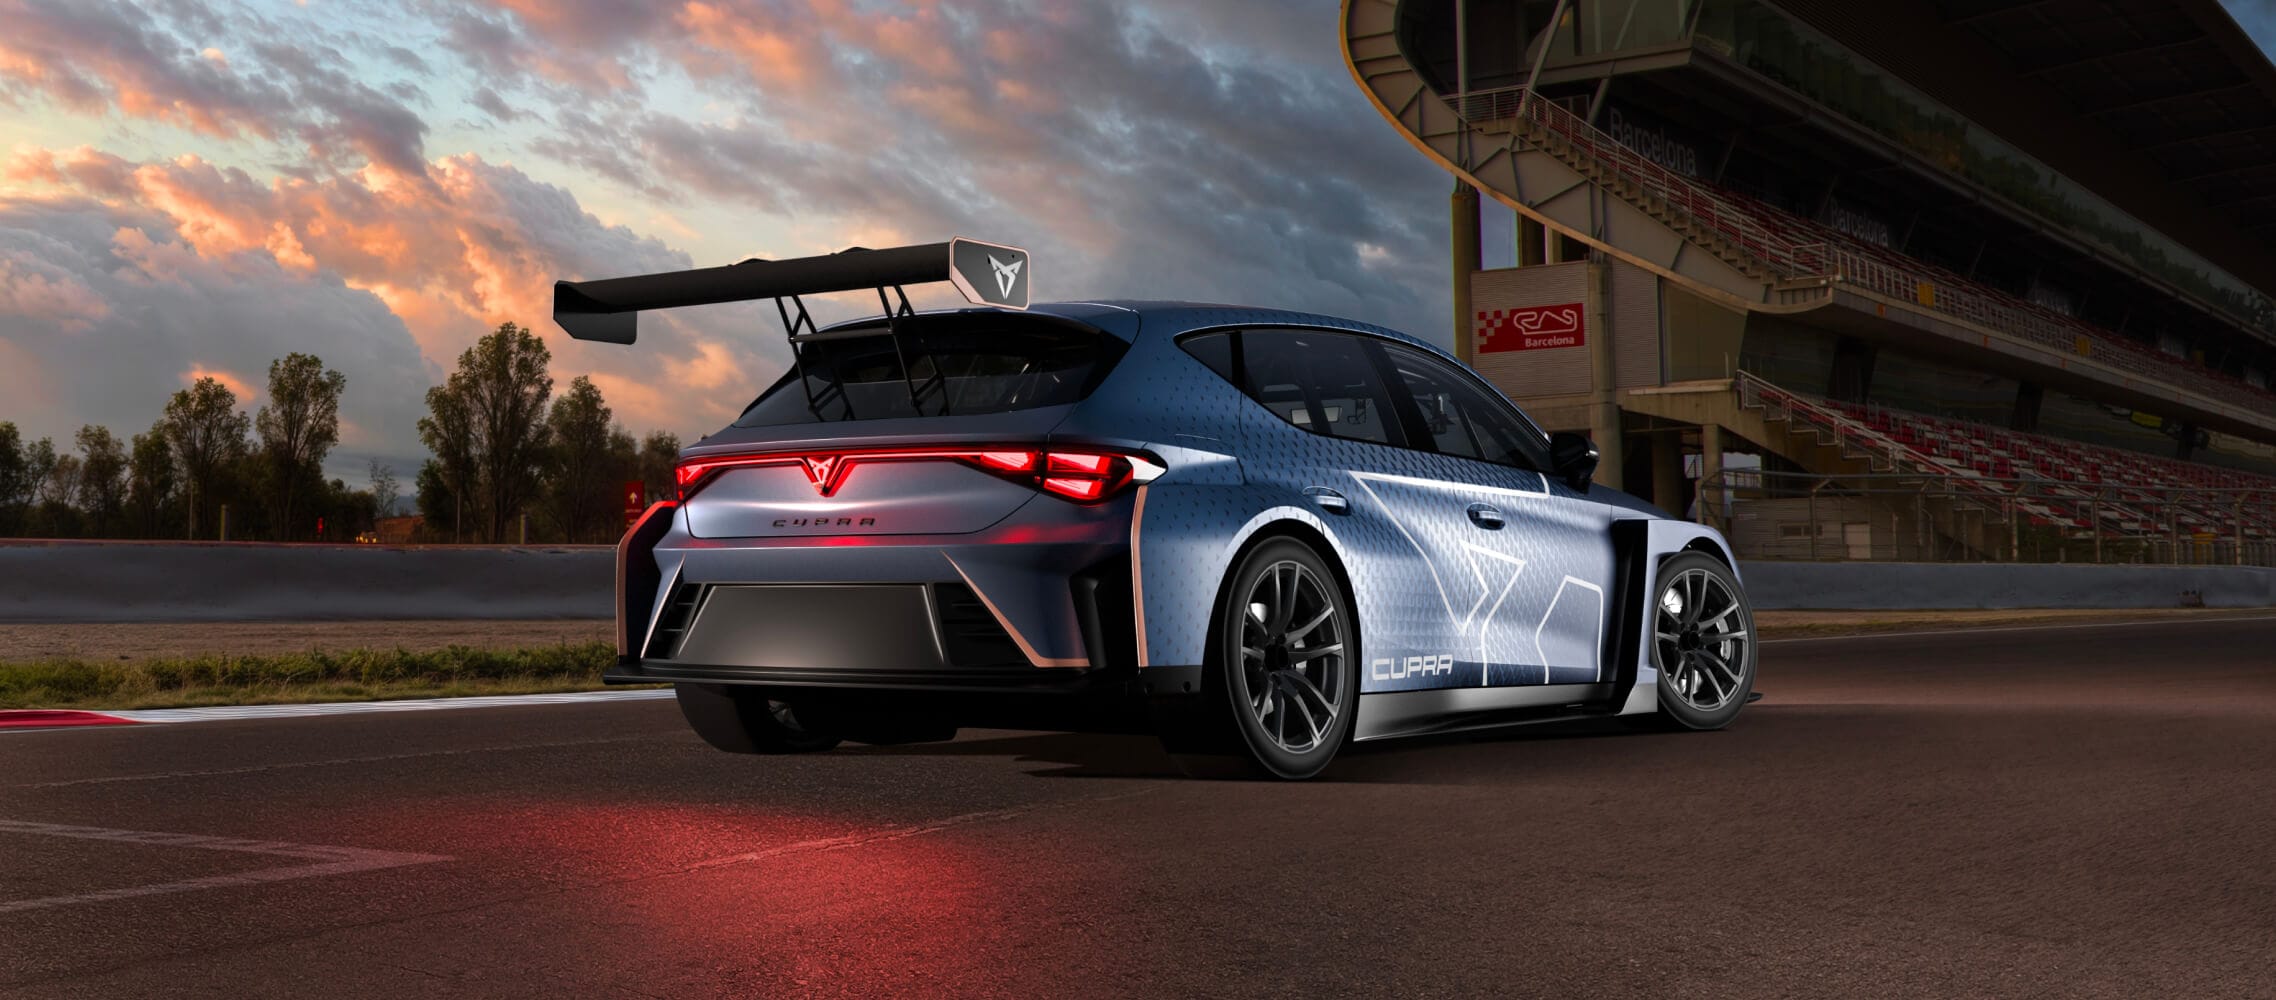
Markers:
(1281, 683)
(1703, 644)
(744, 720)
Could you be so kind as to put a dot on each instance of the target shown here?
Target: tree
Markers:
(502, 386)
(384, 490)
(102, 478)
(39, 475)
(437, 503)
(149, 481)
(659, 452)
(16, 483)
(57, 517)
(207, 436)
(298, 428)
(589, 458)
(448, 432)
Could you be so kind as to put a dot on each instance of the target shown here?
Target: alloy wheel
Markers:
(1292, 649)
(1701, 631)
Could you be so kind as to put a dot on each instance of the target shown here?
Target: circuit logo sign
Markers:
(1531, 328)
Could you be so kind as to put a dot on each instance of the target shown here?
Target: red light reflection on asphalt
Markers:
(693, 899)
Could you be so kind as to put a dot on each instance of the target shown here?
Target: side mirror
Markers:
(1574, 456)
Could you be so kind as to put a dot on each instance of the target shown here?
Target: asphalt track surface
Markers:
(2066, 811)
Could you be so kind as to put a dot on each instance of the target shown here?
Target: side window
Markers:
(1460, 417)
(1213, 349)
(1320, 381)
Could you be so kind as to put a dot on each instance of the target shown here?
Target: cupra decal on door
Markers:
(1501, 603)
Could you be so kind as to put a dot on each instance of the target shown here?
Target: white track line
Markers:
(319, 860)
(221, 712)
(344, 761)
(1901, 632)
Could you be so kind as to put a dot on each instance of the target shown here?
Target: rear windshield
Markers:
(957, 366)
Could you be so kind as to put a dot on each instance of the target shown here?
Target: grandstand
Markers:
(2014, 254)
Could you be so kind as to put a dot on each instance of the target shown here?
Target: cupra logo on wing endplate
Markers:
(1006, 274)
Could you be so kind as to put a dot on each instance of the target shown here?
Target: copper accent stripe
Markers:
(1138, 579)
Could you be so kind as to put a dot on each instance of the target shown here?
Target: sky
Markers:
(196, 187)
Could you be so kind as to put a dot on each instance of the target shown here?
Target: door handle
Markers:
(1329, 500)
(1486, 515)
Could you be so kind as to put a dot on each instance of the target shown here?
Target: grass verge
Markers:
(342, 675)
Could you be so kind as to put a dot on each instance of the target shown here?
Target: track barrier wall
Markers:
(1869, 586)
(173, 581)
(229, 581)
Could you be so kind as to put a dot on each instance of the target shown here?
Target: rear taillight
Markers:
(1084, 475)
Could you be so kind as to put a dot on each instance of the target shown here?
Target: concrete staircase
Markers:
(1654, 203)
(1546, 175)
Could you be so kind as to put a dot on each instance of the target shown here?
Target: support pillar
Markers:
(1462, 227)
(1532, 241)
(1563, 249)
(2187, 446)
(1604, 398)
(1667, 471)
(1710, 468)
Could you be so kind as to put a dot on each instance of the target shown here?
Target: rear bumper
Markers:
(1006, 681)
(1034, 602)
(1115, 700)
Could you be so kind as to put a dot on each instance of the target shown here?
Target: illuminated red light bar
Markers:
(1086, 476)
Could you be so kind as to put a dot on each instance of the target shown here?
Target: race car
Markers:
(1259, 534)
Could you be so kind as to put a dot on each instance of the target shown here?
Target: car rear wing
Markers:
(608, 309)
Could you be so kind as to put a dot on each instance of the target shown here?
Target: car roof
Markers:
(1125, 317)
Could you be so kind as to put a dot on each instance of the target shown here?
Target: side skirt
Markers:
(1414, 713)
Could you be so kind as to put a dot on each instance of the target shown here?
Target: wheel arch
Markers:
(1712, 547)
(1310, 536)
(1654, 542)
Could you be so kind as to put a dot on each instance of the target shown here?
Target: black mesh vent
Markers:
(672, 625)
(1102, 604)
(969, 633)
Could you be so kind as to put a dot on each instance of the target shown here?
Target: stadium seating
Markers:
(1770, 242)
(1891, 273)
(2052, 481)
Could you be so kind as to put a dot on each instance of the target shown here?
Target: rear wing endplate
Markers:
(608, 309)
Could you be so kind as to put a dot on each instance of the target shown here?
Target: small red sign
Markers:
(635, 495)
(1531, 328)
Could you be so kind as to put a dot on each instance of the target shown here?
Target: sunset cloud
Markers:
(161, 63)
(382, 182)
(446, 260)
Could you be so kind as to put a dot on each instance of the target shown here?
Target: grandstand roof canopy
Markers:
(2177, 79)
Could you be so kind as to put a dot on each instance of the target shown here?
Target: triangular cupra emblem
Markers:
(1007, 274)
(823, 471)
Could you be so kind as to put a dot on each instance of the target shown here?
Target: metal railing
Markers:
(1804, 250)
(1707, 208)
(1916, 517)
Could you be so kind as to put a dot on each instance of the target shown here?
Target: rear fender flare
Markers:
(1176, 630)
